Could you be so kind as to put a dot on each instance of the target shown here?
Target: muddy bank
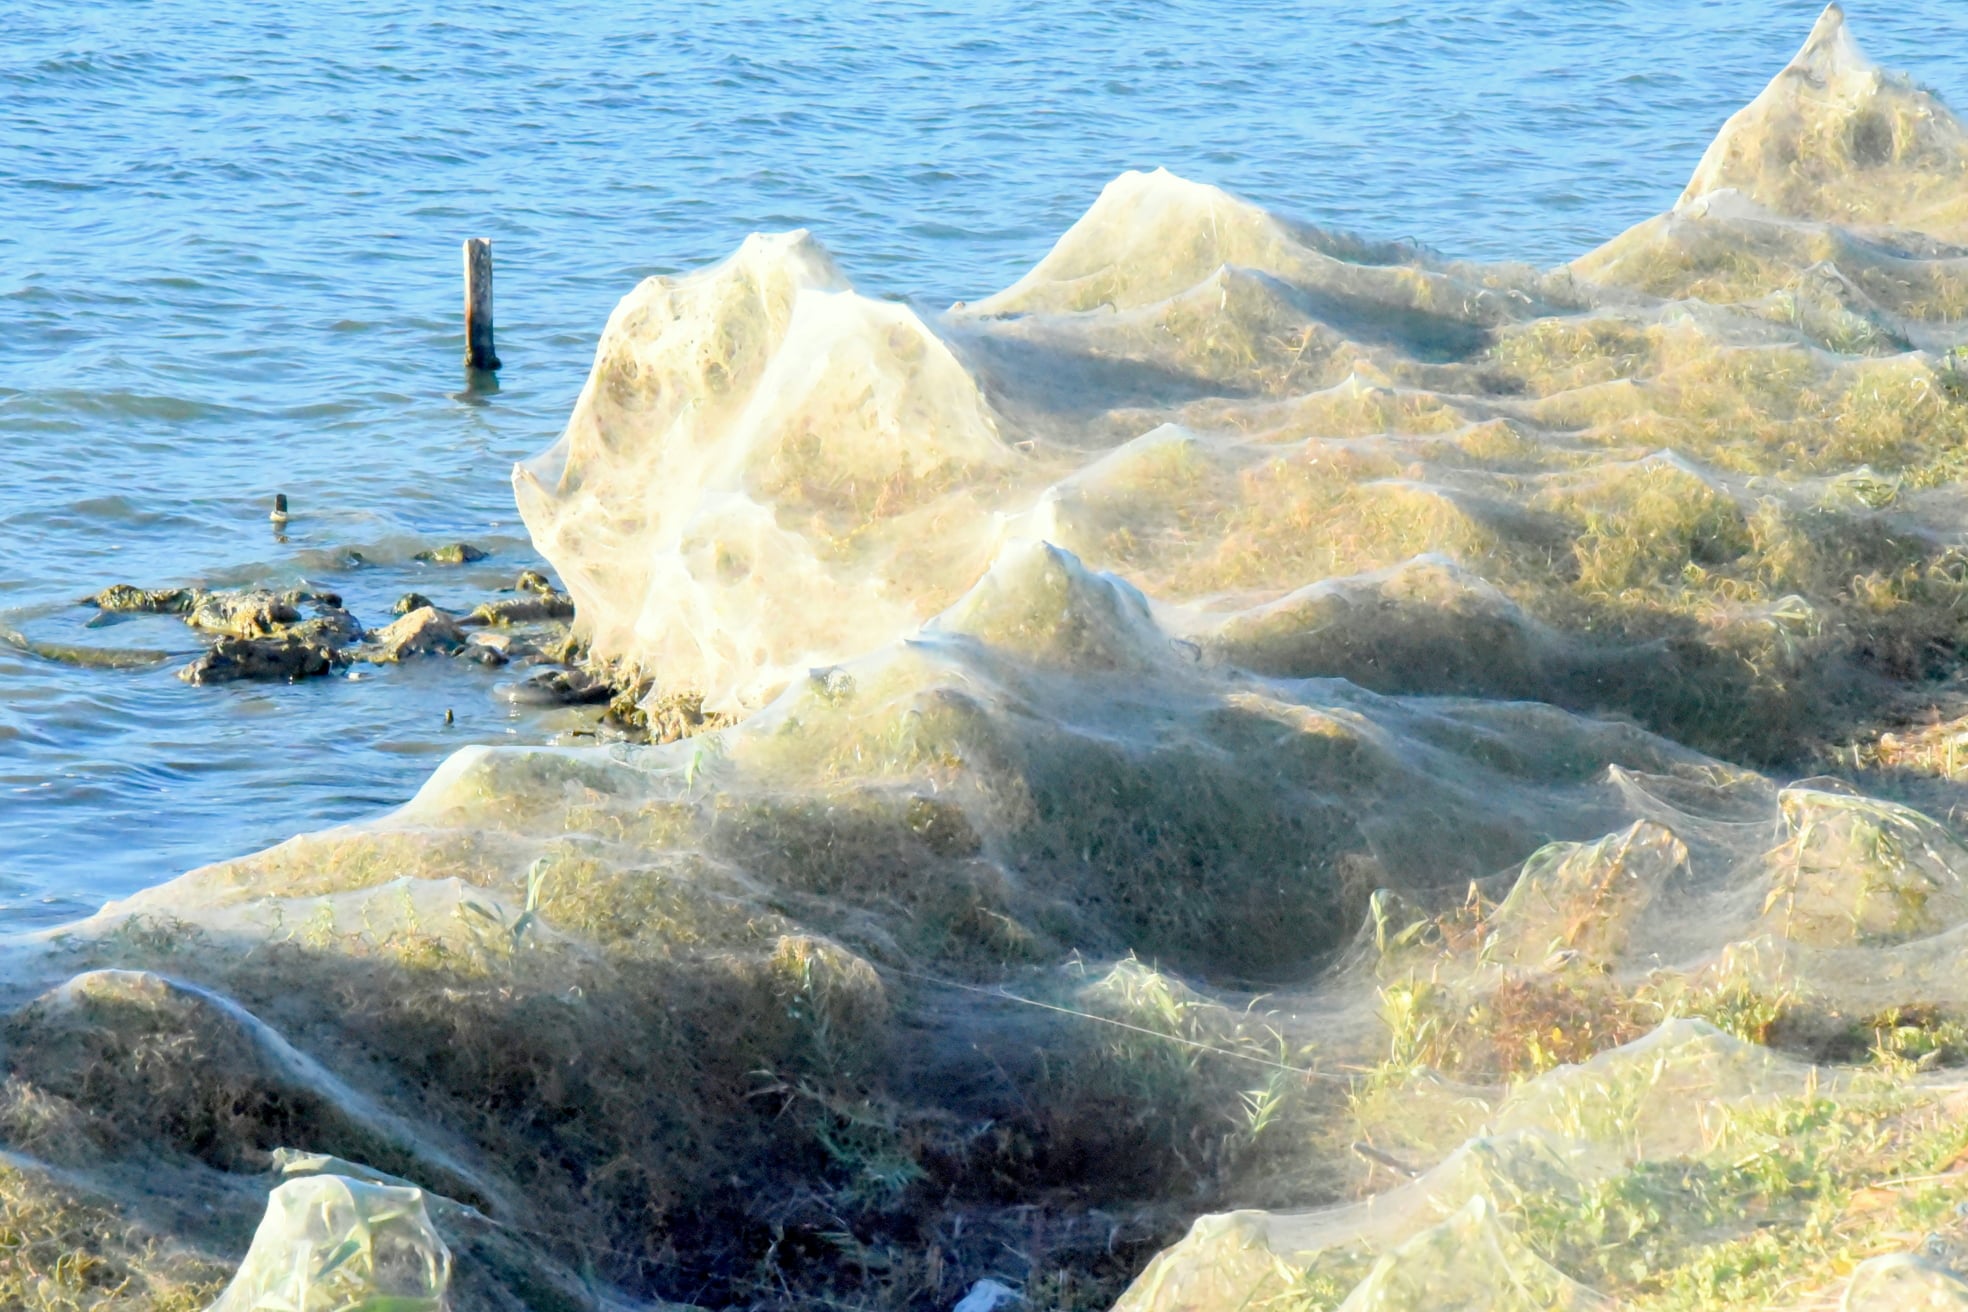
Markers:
(266, 635)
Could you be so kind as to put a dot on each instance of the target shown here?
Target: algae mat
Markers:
(1246, 717)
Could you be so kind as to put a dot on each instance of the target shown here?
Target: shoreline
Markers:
(1247, 717)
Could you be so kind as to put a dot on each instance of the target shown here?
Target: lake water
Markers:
(229, 266)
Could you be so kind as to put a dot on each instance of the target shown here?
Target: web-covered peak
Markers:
(1829, 52)
(1152, 235)
(1040, 601)
(1835, 138)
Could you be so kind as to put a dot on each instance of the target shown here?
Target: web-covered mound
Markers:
(1834, 137)
(765, 470)
(768, 471)
(1704, 477)
(1834, 203)
(1483, 1228)
(648, 1013)
(1242, 719)
(637, 1011)
(1689, 1166)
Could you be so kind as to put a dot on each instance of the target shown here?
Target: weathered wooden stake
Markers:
(478, 305)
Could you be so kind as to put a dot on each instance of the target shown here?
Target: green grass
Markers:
(60, 1251)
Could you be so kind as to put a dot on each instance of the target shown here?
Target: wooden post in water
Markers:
(478, 305)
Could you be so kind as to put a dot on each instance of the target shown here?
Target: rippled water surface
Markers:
(229, 266)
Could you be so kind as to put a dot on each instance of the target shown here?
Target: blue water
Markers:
(229, 266)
